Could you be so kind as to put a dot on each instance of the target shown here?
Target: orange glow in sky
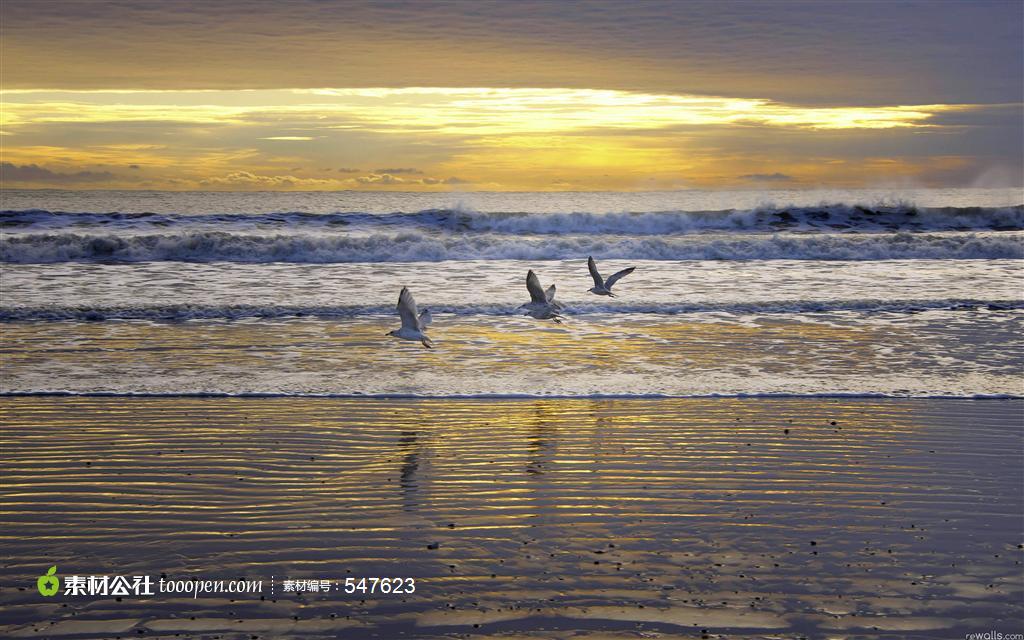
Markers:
(549, 96)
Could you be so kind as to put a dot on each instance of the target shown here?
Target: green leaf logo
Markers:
(49, 584)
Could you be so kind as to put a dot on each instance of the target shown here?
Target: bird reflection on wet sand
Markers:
(707, 512)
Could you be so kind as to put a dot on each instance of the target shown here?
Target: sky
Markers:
(527, 95)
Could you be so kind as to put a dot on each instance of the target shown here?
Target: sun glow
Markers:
(454, 111)
(492, 138)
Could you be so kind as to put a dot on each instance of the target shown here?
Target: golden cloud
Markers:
(505, 138)
(475, 111)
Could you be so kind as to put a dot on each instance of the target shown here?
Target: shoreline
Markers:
(500, 396)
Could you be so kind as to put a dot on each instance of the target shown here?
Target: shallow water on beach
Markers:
(927, 353)
(917, 328)
(536, 518)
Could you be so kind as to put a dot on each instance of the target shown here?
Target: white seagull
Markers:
(413, 323)
(604, 287)
(542, 305)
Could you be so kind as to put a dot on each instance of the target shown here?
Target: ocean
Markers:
(905, 293)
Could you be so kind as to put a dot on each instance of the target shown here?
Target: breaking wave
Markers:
(827, 217)
(412, 246)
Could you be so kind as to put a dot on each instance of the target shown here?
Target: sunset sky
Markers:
(306, 94)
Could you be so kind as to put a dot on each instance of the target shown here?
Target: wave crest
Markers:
(410, 246)
(826, 217)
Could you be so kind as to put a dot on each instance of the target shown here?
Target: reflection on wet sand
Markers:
(542, 518)
(407, 444)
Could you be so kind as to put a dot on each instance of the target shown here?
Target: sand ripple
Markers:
(531, 518)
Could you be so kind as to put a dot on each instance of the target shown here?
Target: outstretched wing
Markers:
(598, 282)
(549, 295)
(407, 310)
(425, 319)
(615, 277)
(536, 291)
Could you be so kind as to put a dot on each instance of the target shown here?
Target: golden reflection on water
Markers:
(664, 513)
(673, 356)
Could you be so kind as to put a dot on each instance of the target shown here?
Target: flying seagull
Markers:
(542, 303)
(604, 287)
(413, 323)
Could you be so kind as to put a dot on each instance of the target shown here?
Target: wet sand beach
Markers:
(540, 518)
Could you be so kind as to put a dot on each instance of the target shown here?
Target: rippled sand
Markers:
(520, 518)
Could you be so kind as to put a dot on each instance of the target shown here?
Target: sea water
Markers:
(906, 293)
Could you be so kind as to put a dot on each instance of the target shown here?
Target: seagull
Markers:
(542, 305)
(604, 287)
(413, 323)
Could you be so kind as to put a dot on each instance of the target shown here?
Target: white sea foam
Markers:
(825, 217)
(415, 246)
